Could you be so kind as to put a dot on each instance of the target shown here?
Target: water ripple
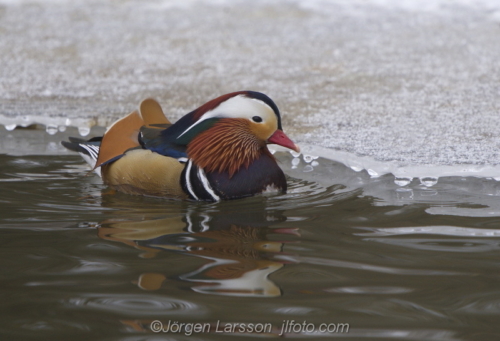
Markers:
(303, 193)
(296, 311)
(439, 230)
(129, 304)
(443, 245)
(483, 306)
(367, 267)
(54, 324)
(378, 290)
(396, 334)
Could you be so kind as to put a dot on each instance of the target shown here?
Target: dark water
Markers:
(393, 263)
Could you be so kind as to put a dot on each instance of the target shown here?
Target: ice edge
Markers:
(401, 170)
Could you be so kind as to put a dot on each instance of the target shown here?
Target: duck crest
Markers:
(226, 147)
(210, 105)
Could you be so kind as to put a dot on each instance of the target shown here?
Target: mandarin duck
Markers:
(216, 152)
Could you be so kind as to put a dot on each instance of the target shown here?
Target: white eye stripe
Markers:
(238, 106)
(262, 102)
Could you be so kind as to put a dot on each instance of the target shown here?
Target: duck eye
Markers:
(257, 119)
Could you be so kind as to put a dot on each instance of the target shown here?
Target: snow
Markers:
(386, 86)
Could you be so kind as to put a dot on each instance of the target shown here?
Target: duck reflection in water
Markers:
(236, 245)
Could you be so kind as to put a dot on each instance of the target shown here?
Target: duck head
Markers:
(232, 131)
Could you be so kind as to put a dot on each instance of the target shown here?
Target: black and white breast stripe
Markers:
(194, 181)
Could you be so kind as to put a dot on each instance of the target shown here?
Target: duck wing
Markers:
(123, 135)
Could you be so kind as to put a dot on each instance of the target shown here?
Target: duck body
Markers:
(261, 176)
(216, 152)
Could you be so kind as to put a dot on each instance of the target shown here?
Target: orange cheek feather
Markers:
(227, 146)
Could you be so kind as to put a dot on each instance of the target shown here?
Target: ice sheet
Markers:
(404, 87)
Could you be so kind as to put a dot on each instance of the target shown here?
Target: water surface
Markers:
(393, 262)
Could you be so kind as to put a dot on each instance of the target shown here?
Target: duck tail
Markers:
(123, 135)
(88, 149)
